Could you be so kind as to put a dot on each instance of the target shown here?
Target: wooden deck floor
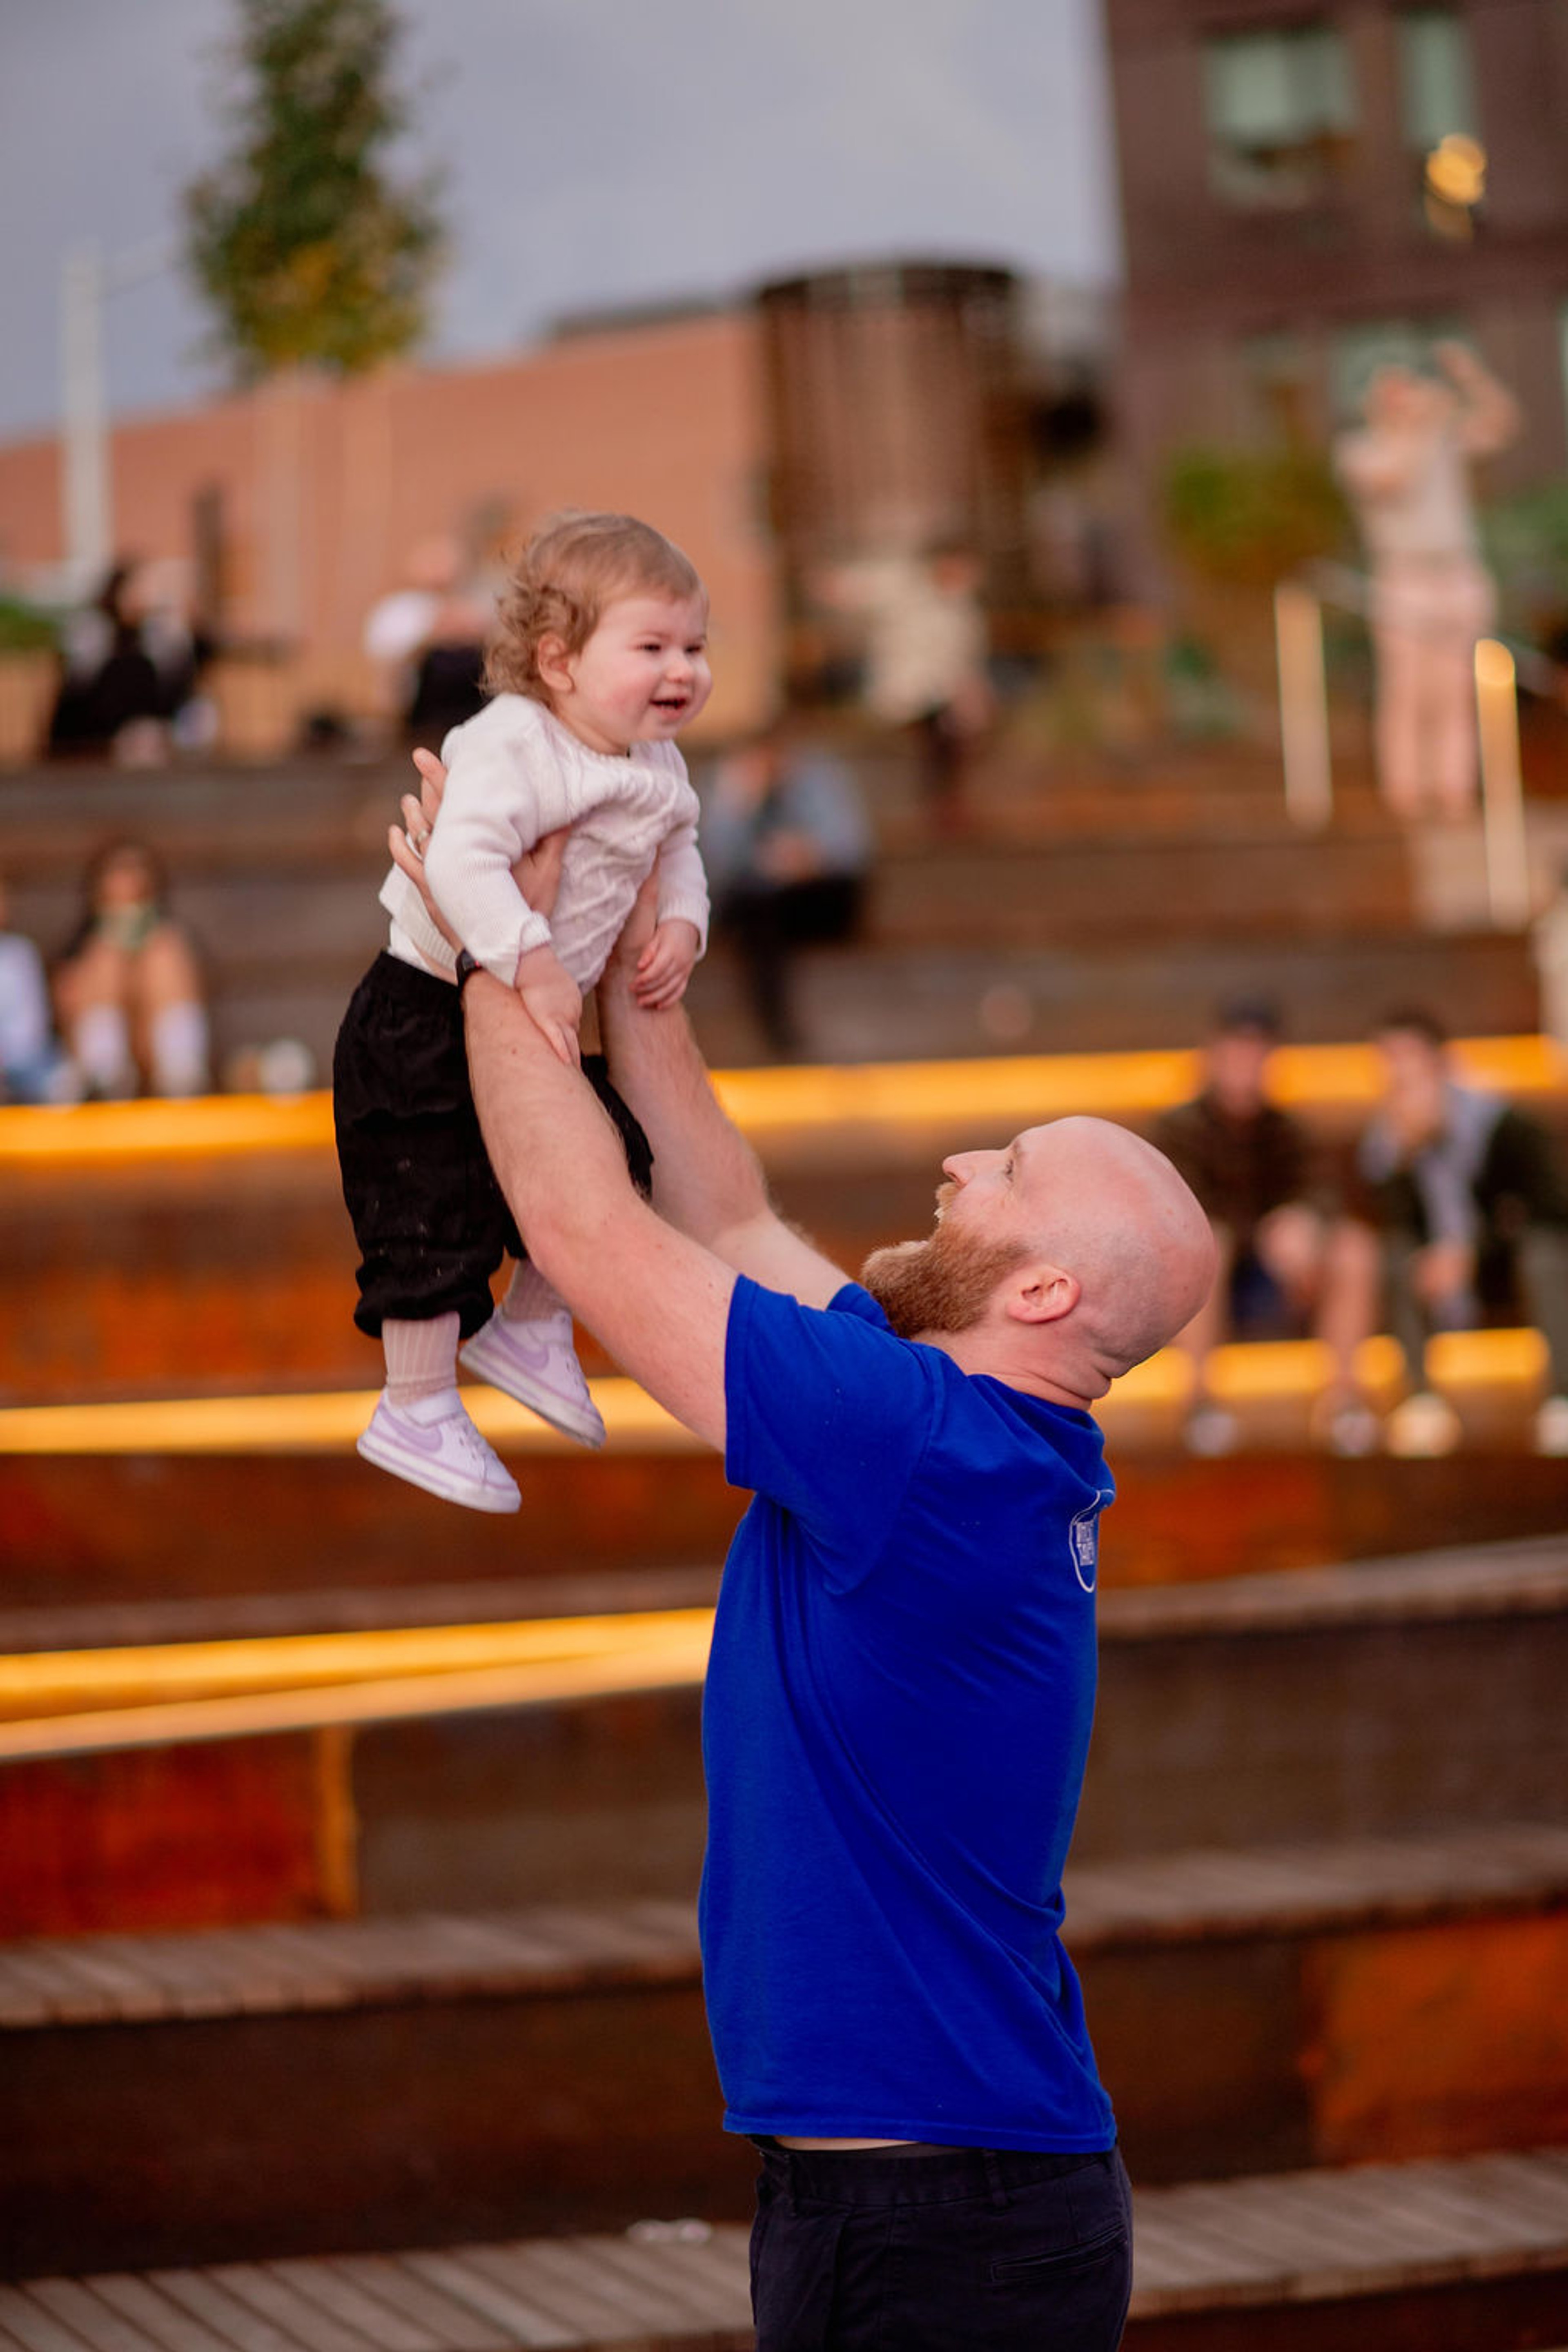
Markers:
(1252, 2246)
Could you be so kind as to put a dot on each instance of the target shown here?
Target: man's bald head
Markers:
(1070, 1255)
(1113, 1211)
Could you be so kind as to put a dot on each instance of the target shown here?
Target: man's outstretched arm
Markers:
(658, 1300)
(707, 1179)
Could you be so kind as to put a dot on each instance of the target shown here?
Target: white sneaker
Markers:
(434, 1444)
(1211, 1431)
(536, 1363)
(1552, 1426)
(1348, 1427)
(1424, 1426)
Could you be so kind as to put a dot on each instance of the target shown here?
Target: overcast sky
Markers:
(597, 152)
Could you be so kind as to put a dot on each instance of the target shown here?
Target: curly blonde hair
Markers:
(574, 566)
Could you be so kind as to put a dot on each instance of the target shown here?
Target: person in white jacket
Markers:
(600, 660)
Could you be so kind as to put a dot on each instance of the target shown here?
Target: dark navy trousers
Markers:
(958, 2250)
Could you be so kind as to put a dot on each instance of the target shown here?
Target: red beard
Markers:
(943, 1285)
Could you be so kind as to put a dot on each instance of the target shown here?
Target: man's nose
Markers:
(961, 1166)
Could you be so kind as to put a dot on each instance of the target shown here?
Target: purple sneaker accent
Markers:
(445, 1454)
(537, 1364)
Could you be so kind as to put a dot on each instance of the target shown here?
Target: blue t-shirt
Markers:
(895, 1728)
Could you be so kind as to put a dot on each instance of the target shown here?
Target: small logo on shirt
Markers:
(1083, 1542)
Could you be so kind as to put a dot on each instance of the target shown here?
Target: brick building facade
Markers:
(1310, 186)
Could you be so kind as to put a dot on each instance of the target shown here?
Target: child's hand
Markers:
(553, 1000)
(665, 965)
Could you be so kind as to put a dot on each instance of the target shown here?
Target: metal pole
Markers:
(1502, 787)
(1303, 705)
(87, 514)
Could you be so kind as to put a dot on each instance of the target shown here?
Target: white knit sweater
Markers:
(512, 774)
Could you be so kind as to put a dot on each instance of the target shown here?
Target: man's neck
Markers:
(976, 1353)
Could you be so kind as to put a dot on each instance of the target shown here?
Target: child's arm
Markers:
(680, 933)
(665, 965)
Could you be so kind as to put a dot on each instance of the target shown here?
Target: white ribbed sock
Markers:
(421, 1357)
(530, 1298)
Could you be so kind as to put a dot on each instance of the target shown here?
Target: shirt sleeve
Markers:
(828, 1415)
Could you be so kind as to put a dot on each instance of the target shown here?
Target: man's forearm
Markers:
(708, 1182)
(555, 1154)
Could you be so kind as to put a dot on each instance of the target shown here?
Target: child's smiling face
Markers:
(640, 676)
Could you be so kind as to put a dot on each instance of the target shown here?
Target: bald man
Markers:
(898, 1707)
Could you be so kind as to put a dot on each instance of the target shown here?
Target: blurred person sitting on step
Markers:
(788, 847)
(32, 1067)
(128, 991)
(1288, 1259)
(1471, 1207)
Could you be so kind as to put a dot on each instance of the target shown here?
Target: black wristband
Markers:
(466, 967)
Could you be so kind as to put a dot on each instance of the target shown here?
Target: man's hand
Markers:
(554, 1001)
(664, 967)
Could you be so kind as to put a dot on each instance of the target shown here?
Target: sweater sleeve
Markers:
(502, 792)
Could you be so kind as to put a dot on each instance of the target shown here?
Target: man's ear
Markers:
(554, 664)
(1043, 1294)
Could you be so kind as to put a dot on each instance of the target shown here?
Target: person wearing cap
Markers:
(1288, 1260)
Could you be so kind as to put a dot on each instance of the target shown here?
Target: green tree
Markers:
(1247, 516)
(308, 251)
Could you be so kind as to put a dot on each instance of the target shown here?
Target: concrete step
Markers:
(1404, 1699)
(275, 872)
(882, 999)
(163, 1248)
(546, 2066)
(219, 1498)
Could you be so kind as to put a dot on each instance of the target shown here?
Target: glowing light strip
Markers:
(324, 1422)
(328, 1424)
(61, 1682)
(670, 1666)
(806, 1097)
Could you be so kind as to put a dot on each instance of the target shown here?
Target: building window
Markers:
(1437, 92)
(1281, 113)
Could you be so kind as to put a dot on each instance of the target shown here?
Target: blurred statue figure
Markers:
(127, 989)
(788, 847)
(1407, 467)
